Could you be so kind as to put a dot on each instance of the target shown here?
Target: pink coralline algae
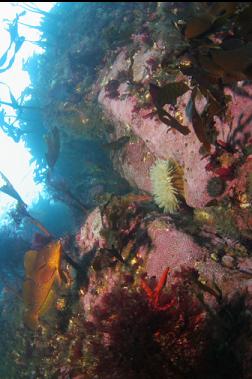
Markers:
(143, 38)
(239, 131)
(135, 164)
(164, 143)
(175, 249)
(89, 234)
(171, 248)
(243, 182)
(145, 62)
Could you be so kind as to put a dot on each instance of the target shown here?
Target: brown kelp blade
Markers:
(10, 190)
(234, 62)
(167, 119)
(167, 94)
(198, 123)
(204, 21)
(199, 25)
(53, 147)
(22, 207)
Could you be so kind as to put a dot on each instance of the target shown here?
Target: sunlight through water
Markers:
(14, 158)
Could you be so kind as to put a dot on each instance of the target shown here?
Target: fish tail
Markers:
(31, 320)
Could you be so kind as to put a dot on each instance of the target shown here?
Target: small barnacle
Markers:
(161, 225)
(147, 96)
(202, 280)
(185, 63)
(82, 292)
(244, 201)
(133, 261)
(99, 290)
(174, 11)
(127, 126)
(60, 304)
(226, 159)
(104, 81)
(181, 22)
(146, 156)
(202, 216)
(84, 120)
(214, 257)
(179, 117)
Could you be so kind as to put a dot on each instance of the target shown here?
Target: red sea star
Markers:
(153, 295)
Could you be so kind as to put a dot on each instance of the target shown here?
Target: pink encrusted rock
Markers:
(93, 296)
(161, 142)
(241, 190)
(240, 127)
(176, 249)
(243, 177)
(165, 144)
(245, 264)
(141, 39)
(228, 280)
(171, 248)
(121, 64)
(134, 163)
(90, 233)
(143, 63)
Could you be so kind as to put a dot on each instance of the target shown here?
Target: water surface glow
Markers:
(14, 158)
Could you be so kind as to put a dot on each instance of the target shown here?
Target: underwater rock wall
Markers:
(213, 238)
(160, 142)
(138, 244)
(152, 293)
